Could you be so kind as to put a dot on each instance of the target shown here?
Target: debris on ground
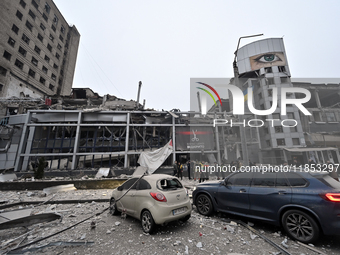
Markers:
(59, 188)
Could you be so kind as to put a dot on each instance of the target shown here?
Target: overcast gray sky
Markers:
(165, 43)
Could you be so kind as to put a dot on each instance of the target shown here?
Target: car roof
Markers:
(155, 177)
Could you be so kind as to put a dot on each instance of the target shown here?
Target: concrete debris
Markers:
(14, 214)
(276, 234)
(102, 172)
(8, 177)
(108, 232)
(117, 223)
(284, 243)
(29, 251)
(252, 236)
(30, 220)
(250, 224)
(83, 237)
(233, 223)
(59, 188)
(230, 229)
(199, 245)
(186, 250)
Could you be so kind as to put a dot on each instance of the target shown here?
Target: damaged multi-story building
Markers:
(85, 130)
(38, 50)
(263, 66)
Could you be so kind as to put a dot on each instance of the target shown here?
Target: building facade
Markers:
(263, 66)
(38, 49)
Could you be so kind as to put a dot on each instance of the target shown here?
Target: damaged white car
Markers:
(153, 199)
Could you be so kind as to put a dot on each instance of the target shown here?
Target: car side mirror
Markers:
(120, 188)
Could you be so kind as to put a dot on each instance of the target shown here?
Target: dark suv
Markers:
(303, 203)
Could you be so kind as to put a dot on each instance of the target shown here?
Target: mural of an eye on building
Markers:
(267, 60)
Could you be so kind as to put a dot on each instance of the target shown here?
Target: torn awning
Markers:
(310, 149)
(154, 159)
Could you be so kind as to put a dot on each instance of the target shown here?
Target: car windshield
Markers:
(169, 184)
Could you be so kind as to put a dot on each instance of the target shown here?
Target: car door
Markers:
(269, 191)
(232, 196)
(128, 201)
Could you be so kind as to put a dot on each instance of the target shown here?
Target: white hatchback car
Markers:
(154, 199)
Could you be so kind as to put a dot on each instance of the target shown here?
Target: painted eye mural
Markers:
(267, 59)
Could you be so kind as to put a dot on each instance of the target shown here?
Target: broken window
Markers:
(57, 55)
(19, 64)
(284, 79)
(40, 37)
(59, 46)
(7, 55)
(29, 25)
(55, 66)
(42, 26)
(19, 15)
(45, 17)
(53, 77)
(317, 116)
(296, 141)
(34, 61)
(3, 71)
(22, 51)
(169, 184)
(330, 116)
(280, 142)
(42, 80)
(15, 29)
(11, 41)
(49, 47)
(55, 19)
(278, 129)
(51, 38)
(282, 69)
(53, 28)
(35, 4)
(22, 3)
(268, 70)
(51, 87)
(44, 69)
(31, 73)
(270, 81)
(62, 29)
(31, 14)
(47, 58)
(47, 7)
(25, 38)
(37, 49)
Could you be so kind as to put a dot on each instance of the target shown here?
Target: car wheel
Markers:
(300, 226)
(148, 224)
(186, 218)
(113, 207)
(204, 205)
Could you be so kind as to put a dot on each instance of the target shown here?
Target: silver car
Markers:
(154, 199)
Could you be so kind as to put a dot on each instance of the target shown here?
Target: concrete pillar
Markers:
(76, 143)
(23, 140)
(127, 140)
(317, 98)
